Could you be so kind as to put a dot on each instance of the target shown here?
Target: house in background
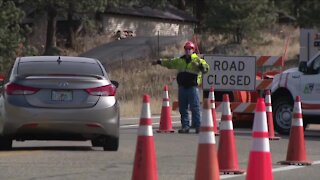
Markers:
(126, 21)
(146, 21)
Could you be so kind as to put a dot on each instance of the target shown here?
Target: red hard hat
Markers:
(189, 45)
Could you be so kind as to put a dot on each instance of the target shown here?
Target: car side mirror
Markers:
(303, 67)
(115, 83)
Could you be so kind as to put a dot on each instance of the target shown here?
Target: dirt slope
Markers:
(131, 48)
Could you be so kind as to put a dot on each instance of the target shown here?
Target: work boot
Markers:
(183, 131)
(192, 126)
(197, 130)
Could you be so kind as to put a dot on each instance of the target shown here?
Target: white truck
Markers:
(303, 81)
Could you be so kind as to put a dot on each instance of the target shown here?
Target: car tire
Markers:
(5, 143)
(111, 144)
(108, 143)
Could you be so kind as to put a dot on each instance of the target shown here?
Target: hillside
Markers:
(138, 77)
(132, 48)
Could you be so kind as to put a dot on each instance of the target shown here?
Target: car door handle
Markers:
(295, 76)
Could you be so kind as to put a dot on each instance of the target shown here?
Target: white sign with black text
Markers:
(230, 73)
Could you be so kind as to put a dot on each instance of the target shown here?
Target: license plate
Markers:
(61, 95)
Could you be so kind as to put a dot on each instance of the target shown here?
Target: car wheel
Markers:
(5, 143)
(107, 142)
(111, 144)
(282, 115)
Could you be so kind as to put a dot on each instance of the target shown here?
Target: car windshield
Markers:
(41, 67)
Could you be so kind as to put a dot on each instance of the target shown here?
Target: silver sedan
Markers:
(59, 98)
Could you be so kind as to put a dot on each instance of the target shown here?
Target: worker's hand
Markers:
(201, 68)
(195, 64)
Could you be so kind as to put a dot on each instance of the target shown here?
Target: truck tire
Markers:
(282, 114)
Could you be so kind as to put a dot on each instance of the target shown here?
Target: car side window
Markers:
(316, 65)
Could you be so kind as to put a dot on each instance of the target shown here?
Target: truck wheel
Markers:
(282, 115)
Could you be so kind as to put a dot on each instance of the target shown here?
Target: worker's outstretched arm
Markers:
(170, 63)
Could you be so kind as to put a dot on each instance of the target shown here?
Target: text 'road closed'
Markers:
(230, 73)
(229, 66)
(232, 80)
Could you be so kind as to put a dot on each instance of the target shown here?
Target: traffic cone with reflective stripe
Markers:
(213, 110)
(260, 163)
(165, 117)
(296, 154)
(227, 152)
(207, 167)
(145, 166)
(269, 117)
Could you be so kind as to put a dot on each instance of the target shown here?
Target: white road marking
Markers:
(286, 168)
(153, 117)
(230, 176)
(136, 125)
(136, 118)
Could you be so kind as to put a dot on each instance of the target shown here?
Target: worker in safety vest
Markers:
(190, 69)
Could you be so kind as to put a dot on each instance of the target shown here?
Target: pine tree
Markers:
(10, 33)
(239, 18)
(309, 16)
(65, 8)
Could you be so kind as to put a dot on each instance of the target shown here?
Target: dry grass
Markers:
(274, 43)
(132, 108)
(138, 77)
(85, 43)
(270, 42)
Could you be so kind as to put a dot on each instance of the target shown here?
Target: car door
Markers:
(310, 88)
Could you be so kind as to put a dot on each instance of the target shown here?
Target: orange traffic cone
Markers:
(213, 110)
(145, 166)
(260, 163)
(227, 152)
(165, 118)
(296, 154)
(269, 117)
(207, 167)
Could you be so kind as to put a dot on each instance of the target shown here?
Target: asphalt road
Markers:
(176, 156)
(131, 48)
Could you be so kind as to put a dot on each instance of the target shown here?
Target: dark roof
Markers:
(169, 13)
(284, 17)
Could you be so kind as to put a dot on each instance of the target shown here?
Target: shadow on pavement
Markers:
(54, 148)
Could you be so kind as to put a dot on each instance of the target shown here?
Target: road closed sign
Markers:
(230, 72)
